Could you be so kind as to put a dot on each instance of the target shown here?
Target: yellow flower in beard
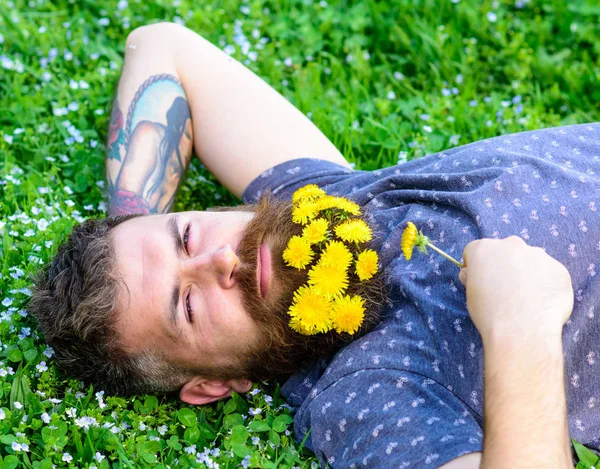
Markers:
(304, 212)
(298, 252)
(310, 312)
(367, 264)
(336, 254)
(316, 231)
(328, 280)
(354, 231)
(308, 192)
(347, 313)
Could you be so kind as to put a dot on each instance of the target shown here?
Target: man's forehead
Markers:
(143, 287)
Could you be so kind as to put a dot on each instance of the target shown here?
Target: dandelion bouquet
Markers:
(331, 249)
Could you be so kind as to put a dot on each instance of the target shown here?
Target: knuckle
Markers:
(514, 239)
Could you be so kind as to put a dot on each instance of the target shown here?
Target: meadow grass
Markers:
(386, 81)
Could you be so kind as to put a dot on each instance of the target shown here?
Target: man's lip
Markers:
(264, 269)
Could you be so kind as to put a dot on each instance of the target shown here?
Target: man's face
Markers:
(208, 289)
(183, 294)
(219, 278)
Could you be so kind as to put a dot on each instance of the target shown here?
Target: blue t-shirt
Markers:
(410, 392)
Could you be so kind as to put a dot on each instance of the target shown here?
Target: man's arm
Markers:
(241, 126)
(519, 298)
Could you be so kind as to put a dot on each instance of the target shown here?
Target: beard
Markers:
(280, 351)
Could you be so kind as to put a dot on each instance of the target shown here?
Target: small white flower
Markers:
(162, 429)
(8, 139)
(288, 62)
(18, 405)
(45, 417)
(67, 457)
(391, 95)
(492, 17)
(103, 21)
(7, 302)
(98, 457)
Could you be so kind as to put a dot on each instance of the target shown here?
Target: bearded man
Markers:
(196, 302)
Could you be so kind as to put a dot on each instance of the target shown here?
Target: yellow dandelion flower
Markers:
(348, 313)
(367, 264)
(304, 212)
(412, 238)
(328, 280)
(409, 240)
(354, 231)
(336, 254)
(310, 312)
(329, 201)
(308, 192)
(298, 252)
(349, 206)
(316, 231)
(341, 203)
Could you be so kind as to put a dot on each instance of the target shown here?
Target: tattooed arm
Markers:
(149, 146)
(241, 126)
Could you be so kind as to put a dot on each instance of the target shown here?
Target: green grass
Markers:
(385, 80)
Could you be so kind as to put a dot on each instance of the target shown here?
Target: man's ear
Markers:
(200, 391)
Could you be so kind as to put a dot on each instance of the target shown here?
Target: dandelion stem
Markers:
(450, 258)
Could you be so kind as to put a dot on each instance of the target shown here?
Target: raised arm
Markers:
(240, 125)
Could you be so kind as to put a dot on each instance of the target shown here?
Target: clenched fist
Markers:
(515, 290)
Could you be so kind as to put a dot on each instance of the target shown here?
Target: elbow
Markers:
(161, 33)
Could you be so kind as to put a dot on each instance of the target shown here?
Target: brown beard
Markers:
(280, 350)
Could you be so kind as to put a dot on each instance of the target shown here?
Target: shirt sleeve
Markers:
(283, 179)
(382, 418)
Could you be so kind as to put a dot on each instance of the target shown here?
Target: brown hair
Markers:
(74, 300)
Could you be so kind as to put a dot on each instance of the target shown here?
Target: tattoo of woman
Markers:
(157, 144)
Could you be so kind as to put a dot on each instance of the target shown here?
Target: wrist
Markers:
(518, 336)
(524, 350)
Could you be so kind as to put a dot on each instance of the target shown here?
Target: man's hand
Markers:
(519, 298)
(514, 289)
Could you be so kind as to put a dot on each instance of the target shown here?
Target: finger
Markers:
(467, 250)
(462, 276)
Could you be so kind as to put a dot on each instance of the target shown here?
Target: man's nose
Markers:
(219, 265)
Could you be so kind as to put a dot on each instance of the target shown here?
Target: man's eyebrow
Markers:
(175, 332)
